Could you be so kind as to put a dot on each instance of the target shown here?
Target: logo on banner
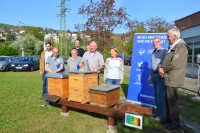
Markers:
(140, 64)
(150, 51)
(142, 51)
(138, 78)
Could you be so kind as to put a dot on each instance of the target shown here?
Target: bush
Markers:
(7, 50)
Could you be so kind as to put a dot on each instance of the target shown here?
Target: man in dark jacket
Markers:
(173, 70)
(78, 48)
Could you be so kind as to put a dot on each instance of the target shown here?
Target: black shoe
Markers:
(172, 126)
(165, 121)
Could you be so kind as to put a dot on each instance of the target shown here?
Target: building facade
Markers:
(190, 32)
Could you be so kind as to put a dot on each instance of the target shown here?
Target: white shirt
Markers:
(173, 45)
(47, 54)
(113, 68)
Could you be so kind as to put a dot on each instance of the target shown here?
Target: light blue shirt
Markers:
(157, 58)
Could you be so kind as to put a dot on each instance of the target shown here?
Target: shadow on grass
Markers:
(57, 105)
(125, 89)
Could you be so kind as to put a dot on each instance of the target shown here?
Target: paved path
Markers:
(190, 83)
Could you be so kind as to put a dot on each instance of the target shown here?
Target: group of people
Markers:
(167, 75)
(167, 71)
(51, 62)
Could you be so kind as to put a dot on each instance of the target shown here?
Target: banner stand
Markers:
(139, 89)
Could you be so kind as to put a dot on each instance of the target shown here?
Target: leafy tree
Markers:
(7, 50)
(39, 47)
(157, 24)
(130, 42)
(27, 43)
(10, 38)
(102, 19)
(36, 31)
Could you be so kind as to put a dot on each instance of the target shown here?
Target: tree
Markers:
(39, 47)
(27, 43)
(36, 31)
(7, 50)
(102, 19)
(157, 24)
(10, 38)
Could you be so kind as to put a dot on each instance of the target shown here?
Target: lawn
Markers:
(20, 110)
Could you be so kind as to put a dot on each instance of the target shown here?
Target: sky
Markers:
(43, 13)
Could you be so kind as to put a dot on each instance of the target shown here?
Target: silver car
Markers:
(5, 62)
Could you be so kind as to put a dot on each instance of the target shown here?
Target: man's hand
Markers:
(92, 69)
(121, 82)
(41, 73)
(161, 72)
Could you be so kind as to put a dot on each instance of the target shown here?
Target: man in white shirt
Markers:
(43, 58)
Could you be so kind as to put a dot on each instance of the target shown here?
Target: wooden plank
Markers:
(111, 121)
(116, 112)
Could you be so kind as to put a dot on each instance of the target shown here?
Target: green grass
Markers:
(20, 110)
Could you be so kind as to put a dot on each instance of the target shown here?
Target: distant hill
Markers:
(7, 27)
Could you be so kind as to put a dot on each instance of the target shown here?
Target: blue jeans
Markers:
(113, 81)
(159, 92)
(45, 84)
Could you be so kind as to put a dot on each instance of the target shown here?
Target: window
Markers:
(189, 51)
(196, 51)
(189, 59)
(197, 43)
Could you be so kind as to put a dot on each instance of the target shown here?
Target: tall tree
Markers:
(157, 24)
(102, 19)
(27, 43)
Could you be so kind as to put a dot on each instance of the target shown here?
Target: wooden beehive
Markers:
(104, 95)
(79, 83)
(58, 85)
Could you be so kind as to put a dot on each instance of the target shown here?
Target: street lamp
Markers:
(125, 41)
(22, 52)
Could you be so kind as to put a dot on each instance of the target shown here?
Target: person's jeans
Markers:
(45, 87)
(159, 92)
(45, 84)
(113, 81)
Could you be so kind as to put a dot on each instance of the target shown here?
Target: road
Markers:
(189, 84)
(127, 70)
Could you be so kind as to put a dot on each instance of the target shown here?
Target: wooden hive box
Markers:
(79, 83)
(104, 95)
(58, 85)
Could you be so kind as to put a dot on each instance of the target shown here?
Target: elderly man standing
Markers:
(54, 64)
(73, 61)
(94, 58)
(173, 70)
(157, 80)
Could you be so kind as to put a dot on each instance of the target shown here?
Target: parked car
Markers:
(29, 63)
(5, 62)
(127, 61)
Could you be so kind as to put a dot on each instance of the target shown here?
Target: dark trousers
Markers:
(171, 105)
(45, 84)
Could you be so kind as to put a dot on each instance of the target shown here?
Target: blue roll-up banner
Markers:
(140, 91)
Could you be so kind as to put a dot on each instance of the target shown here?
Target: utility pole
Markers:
(62, 15)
